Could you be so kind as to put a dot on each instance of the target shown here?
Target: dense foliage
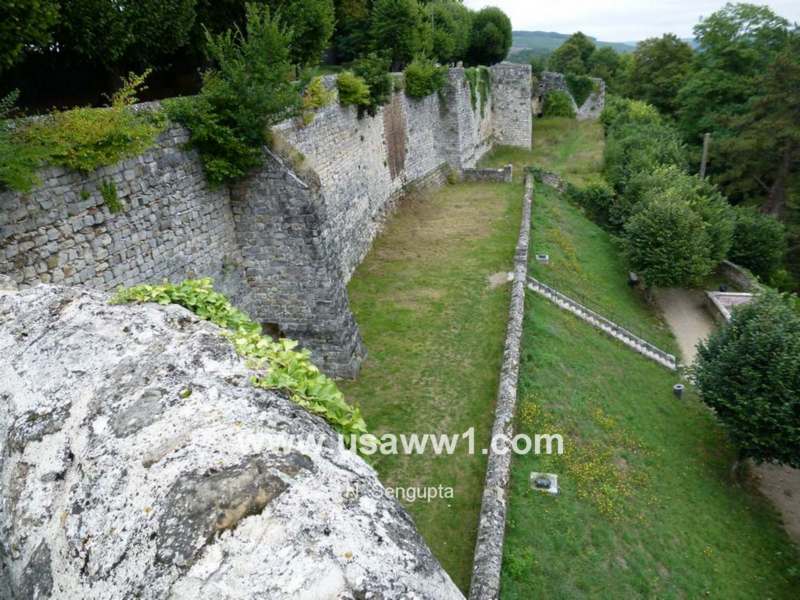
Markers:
(452, 26)
(558, 104)
(277, 364)
(424, 77)
(400, 26)
(759, 242)
(580, 86)
(666, 243)
(658, 70)
(249, 89)
(24, 24)
(353, 90)
(82, 139)
(490, 39)
(749, 373)
(374, 70)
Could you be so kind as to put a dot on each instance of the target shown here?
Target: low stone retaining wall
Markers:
(502, 175)
(631, 340)
(488, 560)
(738, 276)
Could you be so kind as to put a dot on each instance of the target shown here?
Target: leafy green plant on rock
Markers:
(353, 90)
(279, 365)
(423, 77)
(108, 190)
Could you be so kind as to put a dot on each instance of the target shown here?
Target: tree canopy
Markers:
(490, 40)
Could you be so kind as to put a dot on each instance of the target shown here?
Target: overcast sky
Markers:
(618, 20)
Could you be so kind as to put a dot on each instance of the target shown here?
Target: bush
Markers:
(666, 243)
(640, 147)
(596, 198)
(424, 77)
(759, 242)
(315, 96)
(748, 372)
(620, 111)
(673, 184)
(250, 90)
(580, 86)
(353, 91)
(374, 70)
(84, 139)
(490, 39)
(558, 104)
(18, 161)
(279, 365)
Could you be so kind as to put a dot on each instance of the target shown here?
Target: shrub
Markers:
(596, 198)
(666, 243)
(374, 70)
(108, 190)
(748, 372)
(558, 104)
(490, 39)
(315, 96)
(278, 364)
(620, 111)
(18, 161)
(640, 147)
(353, 90)
(250, 90)
(423, 77)
(84, 139)
(759, 242)
(673, 184)
(580, 86)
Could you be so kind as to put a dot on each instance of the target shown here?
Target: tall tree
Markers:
(573, 56)
(764, 150)
(452, 24)
(400, 26)
(737, 43)
(659, 69)
(24, 23)
(351, 37)
(490, 39)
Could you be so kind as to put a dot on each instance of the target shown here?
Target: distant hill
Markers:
(529, 44)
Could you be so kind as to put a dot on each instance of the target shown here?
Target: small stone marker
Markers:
(543, 258)
(544, 482)
(677, 389)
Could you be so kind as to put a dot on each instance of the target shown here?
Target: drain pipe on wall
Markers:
(488, 558)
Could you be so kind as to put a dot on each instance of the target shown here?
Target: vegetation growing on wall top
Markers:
(480, 84)
(278, 364)
(424, 77)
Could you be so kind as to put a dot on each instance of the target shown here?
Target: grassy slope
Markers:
(647, 509)
(434, 331)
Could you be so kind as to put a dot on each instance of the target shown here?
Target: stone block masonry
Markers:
(281, 244)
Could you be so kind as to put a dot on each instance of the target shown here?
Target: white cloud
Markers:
(618, 20)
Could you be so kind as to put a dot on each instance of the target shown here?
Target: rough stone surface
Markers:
(136, 461)
(512, 92)
(488, 558)
(550, 81)
(282, 244)
(502, 175)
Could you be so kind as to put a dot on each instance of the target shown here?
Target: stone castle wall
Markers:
(281, 244)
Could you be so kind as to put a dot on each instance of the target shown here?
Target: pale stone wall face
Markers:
(281, 244)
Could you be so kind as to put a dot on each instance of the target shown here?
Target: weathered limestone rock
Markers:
(136, 461)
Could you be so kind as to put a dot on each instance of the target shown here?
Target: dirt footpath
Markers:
(686, 315)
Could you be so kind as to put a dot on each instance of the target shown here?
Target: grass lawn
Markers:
(647, 507)
(434, 330)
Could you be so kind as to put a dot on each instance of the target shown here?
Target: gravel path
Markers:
(689, 320)
(687, 317)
